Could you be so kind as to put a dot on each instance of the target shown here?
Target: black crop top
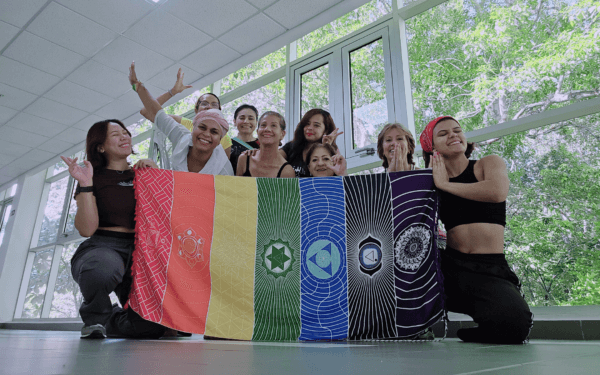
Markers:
(456, 211)
(115, 198)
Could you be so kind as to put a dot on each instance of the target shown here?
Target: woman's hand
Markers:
(330, 138)
(82, 174)
(145, 163)
(398, 161)
(339, 165)
(132, 76)
(250, 153)
(179, 86)
(440, 174)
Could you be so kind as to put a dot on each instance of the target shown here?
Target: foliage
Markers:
(253, 71)
(38, 282)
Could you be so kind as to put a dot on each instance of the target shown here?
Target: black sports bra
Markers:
(247, 173)
(456, 211)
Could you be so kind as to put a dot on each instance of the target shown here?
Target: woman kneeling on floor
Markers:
(105, 213)
(477, 279)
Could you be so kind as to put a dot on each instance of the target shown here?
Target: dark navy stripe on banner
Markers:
(370, 246)
(418, 280)
(324, 284)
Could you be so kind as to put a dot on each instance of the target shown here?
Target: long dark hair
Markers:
(409, 140)
(200, 97)
(299, 141)
(96, 137)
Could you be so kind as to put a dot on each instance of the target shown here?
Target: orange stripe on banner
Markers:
(188, 276)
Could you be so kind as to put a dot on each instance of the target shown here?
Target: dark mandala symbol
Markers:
(369, 255)
(412, 246)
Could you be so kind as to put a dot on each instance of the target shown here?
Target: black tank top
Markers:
(456, 211)
(247, 173)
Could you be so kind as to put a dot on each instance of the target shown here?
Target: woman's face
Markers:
(269, 130)
(448, 138)
(206, 136)
(207, 101)
(246, 121)
(319, 162)
(313, 131)
(392, 138)
(118, 142)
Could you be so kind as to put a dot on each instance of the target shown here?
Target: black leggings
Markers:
(484, 287)
(101, 265)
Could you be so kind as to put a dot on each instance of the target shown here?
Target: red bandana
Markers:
(427, 134)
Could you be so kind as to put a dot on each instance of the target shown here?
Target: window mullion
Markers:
(58, 249)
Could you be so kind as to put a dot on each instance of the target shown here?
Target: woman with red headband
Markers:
(477, 279)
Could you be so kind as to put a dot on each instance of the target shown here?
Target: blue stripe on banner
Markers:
(324, 283)
(418, 280)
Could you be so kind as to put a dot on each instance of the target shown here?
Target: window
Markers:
(38, 282)
(253, 71)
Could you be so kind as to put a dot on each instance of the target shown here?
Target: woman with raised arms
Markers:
(197, 151)
(105, 213)
(477, 279)
(267, 161)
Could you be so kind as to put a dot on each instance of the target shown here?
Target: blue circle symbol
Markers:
(323, 259)
(370, 256)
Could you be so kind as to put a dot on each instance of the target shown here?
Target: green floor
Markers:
(45, 352)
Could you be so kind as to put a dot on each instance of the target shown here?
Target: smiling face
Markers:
(206, 136)
(319, 160)
(313, 131)
(246, 121)
(207, 101)
(118, 142)
(269, 130)
(392, 138)
(448, 138)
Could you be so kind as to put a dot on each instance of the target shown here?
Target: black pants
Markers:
(101, 265)
(484, 287)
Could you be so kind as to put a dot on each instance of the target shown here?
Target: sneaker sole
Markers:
(96, 334)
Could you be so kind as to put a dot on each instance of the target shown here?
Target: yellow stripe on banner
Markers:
(231, 308)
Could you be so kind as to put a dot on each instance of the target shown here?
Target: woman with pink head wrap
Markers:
(198, 151)
(477, 279)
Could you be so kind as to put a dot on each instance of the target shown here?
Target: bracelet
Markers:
(133, 85)
(171, 93)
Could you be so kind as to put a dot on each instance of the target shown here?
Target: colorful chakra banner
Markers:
(287, 259)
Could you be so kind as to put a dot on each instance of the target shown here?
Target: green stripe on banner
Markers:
(277, 267)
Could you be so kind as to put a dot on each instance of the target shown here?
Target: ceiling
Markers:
(64, 63)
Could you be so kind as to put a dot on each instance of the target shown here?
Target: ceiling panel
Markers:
(13, 149)
(18, 12)
(166, 79)
(261, 4)
(23, 164)
(71, 30)
(210, 57)
(124, 106)
(20, 137)
(39, 155)
(120, 53)
(77, 96)
(87, 122)
(55, 145)
(117, 15)
(11, 170)
(6, 114)
(101, 78)
(212, 17)
(7, 32)
(252, 33)
(167, 35)
(291, 13)
(36, 125)
(19, 75)
(55, 111)
(15, 98)
(5, 159)
(73, 135)
(43, 55)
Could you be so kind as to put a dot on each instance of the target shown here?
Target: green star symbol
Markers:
(278, 258)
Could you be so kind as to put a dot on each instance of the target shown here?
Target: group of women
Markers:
(477, 278)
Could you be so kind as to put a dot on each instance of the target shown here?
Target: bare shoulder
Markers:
(489, 166)
(288, 172)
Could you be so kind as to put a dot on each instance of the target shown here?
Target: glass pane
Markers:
(253, 71)
(67, 297)
(4, 220)
(139, 127)
(369, 105)
(13, 191)
(496, 61)
(553, 217)
(343, 26)
(186, 104)
(53, 211)
(38, 281)
(270, 97)
(314, 89)
(70, 222)
(141, 151)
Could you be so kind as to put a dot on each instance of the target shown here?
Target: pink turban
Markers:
(427, 134)
(213, 115)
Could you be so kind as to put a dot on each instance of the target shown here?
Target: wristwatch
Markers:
(84, 189)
